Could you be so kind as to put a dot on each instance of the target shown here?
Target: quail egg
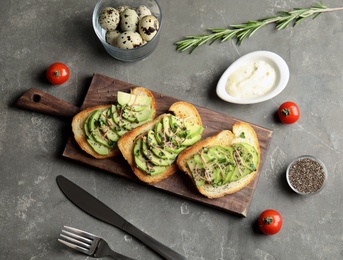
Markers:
(142, 11)
(122, 8)
(129, 40)
(111, 36)
(129, 20)
(148, 27)
(109, 18)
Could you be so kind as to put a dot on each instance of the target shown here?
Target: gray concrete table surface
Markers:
(33, 210)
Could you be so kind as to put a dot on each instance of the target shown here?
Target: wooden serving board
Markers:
(103, 90)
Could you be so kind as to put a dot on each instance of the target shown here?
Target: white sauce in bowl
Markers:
(253, 79)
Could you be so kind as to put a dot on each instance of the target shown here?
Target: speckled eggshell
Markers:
(109, 18)
(122, 8)
(129, 40)
(129, 20)
(111, 36)
(148, 27)
(142, 11)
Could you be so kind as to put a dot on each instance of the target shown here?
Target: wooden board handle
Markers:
(39, 101)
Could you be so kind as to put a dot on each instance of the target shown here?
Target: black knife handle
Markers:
(157, 246)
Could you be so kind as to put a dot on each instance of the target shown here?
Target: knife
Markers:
(94, 207)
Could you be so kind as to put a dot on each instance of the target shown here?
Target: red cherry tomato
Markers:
(289, 112)
(270, 222)
(57, 73)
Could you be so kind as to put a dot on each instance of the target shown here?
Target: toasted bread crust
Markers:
(186, 110)
(127, 141)
(225, 138)
(80, 118)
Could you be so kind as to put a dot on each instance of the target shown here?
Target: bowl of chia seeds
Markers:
(306, 175)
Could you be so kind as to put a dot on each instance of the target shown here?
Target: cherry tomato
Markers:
(289, 112)
(270, 222)
(57, 73)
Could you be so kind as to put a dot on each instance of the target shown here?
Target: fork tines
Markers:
(79, 240)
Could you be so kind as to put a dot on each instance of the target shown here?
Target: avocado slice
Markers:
(168, 132)
(152, 142)
(158, 150)
(129, 115)
(155, 160)
(212, 167)
(85, 126)
(139, 108)
(248, 155)
(245, 167)
(93, 120)
(200, 167)
(158, 133)
(193, 129)
(113, 109)
(120, 122)
(126, 99)
(219, 154)
(174, 149)
(191, 163)
(101, 139)
(207, 161)
(191, 141)
(98, 148)
(198, 160)
(181, 133)
(142, 163)
(100, 142)
(217, 177)
(121, 131)
(137, 117)
(176, 123)
(227, 164)
(112, 135)
(143, 115)
(253, 152)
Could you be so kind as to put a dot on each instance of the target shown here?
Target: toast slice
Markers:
(78, 124)
(241, 133)
(127, 142)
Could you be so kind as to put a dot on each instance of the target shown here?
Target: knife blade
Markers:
(94, 207)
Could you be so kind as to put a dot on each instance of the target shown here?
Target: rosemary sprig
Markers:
(244, 30)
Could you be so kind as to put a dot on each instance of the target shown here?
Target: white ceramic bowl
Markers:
(274, 60)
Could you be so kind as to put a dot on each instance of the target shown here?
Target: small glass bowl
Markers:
(306, 175)
(127, 55)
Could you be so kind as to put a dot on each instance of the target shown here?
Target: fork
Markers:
(88, 244)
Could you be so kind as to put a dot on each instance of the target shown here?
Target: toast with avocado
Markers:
(98, 129)
(151, 149)
(224, 163)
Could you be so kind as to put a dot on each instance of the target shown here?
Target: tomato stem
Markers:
(268, 220)
(57, 73)
(286, 112)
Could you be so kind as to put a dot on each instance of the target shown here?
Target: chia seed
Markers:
(306, 175)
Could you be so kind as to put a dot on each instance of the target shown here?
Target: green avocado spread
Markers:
(159, 147)
(103, 128)
(219, 165)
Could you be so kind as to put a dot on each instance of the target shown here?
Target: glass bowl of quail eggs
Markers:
(129, 30)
